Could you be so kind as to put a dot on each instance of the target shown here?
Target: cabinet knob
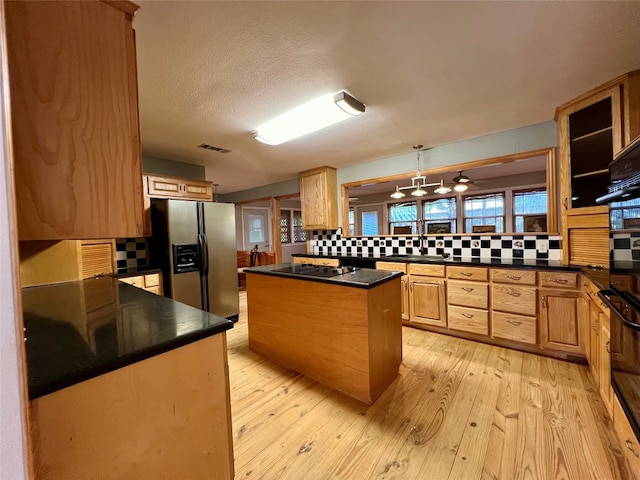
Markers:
(544, 301)
(607, 347)
(565, 203)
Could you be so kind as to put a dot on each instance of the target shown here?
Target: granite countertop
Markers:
(488, 261)
(359, 278)
(75, 331)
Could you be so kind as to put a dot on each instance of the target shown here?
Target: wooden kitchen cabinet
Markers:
(43, 262)
(318, 199)
(592, 351)
(74, 119)
(514, 305)
(559, 319)
(404, 285)
(468, 299)
(178, 188)
(427, 298)
(604, 370)
(592, 128)
(151, 282)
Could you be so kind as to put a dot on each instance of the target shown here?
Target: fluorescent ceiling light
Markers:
(310, 117)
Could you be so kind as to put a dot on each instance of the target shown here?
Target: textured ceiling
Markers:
(429, 72)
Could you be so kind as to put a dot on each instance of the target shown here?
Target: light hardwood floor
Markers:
(459, 410)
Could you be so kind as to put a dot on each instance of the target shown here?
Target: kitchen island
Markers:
(340, 326)
(125, 384)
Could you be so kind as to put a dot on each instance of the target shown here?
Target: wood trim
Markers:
(276, 241)
(585, 99)
(552, 184)
(125, 6)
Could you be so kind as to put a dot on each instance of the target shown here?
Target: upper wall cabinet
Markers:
(178, 188)
(318, 199)
(74, 119)
(591, 130)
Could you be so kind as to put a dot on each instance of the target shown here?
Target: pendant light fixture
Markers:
(442, 189)
(418, 183)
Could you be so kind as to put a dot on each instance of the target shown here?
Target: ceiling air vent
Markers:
(214, 148)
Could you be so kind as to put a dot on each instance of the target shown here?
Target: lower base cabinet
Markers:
(559, 319)
(510, 326)
(465, 319)
(427, 301)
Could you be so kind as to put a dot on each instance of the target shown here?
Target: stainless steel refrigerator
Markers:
(194, 243)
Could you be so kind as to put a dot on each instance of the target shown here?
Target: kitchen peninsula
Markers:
(340, 326)
(125, 384)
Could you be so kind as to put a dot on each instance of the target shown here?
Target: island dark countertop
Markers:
(357, 277)
(78, 330)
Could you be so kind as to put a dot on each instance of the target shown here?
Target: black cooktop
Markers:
(316, 270)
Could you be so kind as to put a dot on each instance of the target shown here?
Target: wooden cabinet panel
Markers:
(318, 199)
(326, 262)
(178, 188)
(560, 314)
(519, 277)
(426, 270)
(427, 301)
(74, 120)
(392, 266)
(514, 327)
(593, 348)
(151, 282)
(468, 273)
(406, 302)
(628, 439)
(468, 319)
(558, 279)
(96, 258)
(604, 371)
(468, 294)
(513, 299)
(589, 246)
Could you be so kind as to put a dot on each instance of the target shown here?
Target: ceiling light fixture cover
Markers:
(314, 115)
(442, 189)
(460, 187)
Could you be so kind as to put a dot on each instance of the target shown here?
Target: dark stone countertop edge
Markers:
(80, 376)
(350, 281)
(489, 262)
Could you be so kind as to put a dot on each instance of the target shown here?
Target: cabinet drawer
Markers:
(157, 290)
(468, 319)
(392, 266)
(302, 260)
(135, 281)
(506, 298)
(513, 327)
(428, 270)
(520, 277)
(152, 280)
(468, 294)
(558, 279)
(326, 262)
(468, 273)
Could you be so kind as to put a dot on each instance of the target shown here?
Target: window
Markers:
(530, 210)
(621, 211)
(403, 216)
(370, 223)
(256, 229)
(484, 210)
(289, 219)
(352, 221)
(440, 210)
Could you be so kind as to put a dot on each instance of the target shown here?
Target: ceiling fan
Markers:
(461, 182)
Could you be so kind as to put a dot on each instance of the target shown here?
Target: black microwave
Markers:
(624, 175)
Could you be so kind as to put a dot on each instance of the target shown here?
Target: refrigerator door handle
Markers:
(204, 249)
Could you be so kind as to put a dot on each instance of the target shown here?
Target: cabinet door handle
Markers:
(565, 202)
(559, 280)
(514, 277)
(514, 293)
(607, 346)
(544, 301)
(514, 323)
(467, 315)
(411, 286)
(466, 274)
(467, 289)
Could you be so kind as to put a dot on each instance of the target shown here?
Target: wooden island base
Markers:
(344, 337)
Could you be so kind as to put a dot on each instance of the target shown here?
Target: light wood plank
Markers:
(536, 418)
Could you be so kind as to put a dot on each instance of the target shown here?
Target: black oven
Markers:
(623, 296)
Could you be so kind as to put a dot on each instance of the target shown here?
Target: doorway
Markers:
(256, 229)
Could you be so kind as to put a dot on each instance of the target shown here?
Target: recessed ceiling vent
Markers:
(214, 148)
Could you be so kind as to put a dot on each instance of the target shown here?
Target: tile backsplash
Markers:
(625, 247)
(131, 252)
(535, 247)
